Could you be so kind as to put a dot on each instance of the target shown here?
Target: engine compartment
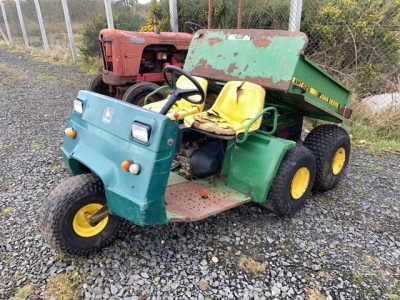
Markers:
(156, 57)
(199, 156)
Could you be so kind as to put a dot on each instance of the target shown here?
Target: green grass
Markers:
(38, 146)
(25, 292)
(249, 264)
(57, 57)
(375, 132)
(315, 294)
(62, 287)
(7, 210)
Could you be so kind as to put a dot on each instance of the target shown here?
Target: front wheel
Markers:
(137, 93)
(331, 147)
(293, 182)
(64, 214)
(97, 85)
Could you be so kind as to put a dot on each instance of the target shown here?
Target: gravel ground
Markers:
(343, 244)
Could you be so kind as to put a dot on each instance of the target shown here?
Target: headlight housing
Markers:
(78, 106)
(141, 132)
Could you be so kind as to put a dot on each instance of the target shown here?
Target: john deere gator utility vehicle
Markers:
(179, 160)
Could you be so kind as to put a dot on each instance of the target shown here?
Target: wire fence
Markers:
(357, 41)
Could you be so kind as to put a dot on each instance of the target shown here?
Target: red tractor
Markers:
(133, 63)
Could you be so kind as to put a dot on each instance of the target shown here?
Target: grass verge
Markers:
(62, 287)
(249, 264)
(58, 56)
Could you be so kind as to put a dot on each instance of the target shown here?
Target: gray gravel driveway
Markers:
(343, 244)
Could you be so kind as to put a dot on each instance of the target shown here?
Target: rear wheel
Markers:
(97, 85)
(138, 92)
(331, 147)
(293, 182)
(64, 215)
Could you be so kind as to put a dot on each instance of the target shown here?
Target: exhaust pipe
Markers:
(155, 22)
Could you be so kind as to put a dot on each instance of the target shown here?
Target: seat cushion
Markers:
(237, 104)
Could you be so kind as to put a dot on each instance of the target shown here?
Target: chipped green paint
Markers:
(273, 59)
(266, 57)
(175, 179)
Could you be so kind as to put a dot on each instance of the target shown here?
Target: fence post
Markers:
(295, 15)
(209, 17)
(173, 15)
(110, 21)
(21, 22)
(240, 14)
(3, 35)
(42, 29)
(69, 29)
(10, 40)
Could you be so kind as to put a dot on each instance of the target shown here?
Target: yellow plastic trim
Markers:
(300, 182)
(80, 224)
(338, 161)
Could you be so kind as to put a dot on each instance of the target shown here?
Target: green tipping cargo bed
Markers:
(273, 59)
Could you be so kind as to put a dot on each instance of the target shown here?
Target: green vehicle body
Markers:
(101, 147)
(294, 85)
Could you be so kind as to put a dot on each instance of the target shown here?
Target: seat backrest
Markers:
(239, 101)
(184, 83)
(182, 108)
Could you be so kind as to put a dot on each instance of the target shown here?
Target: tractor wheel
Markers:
(331, 147)
(293, 182)
(138, 92)
(97, 85)
(63, 217)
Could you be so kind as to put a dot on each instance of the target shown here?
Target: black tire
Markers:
(331, 147)
(138, 92)
(62, 226)
(97, 85)
(293, 182)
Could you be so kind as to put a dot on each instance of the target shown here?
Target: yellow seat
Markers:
(237, 104)
(182, 108)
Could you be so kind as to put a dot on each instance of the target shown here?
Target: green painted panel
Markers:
(175, 179)
(251, 167)
(265, 57)
(102, 146)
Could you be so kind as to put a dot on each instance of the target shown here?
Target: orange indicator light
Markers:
(126, 164)
(70, 132)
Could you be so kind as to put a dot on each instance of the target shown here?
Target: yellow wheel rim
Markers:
(338, 161)
(81, 225)
(300, 183)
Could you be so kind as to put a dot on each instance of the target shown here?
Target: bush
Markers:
(356, 39)
(256, 14)
(124, 21)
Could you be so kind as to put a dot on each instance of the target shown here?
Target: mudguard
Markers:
(104, 140)
(251, 167)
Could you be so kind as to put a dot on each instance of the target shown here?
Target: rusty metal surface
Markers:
(346, 112)
(264, 57)
(185, 202)
(127, 49)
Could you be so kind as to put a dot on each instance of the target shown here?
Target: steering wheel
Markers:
(177, 93)
(193, 26)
